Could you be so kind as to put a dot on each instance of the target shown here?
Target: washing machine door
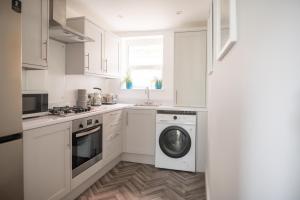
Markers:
(175, 141)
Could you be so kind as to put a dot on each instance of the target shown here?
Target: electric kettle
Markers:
(96, 97)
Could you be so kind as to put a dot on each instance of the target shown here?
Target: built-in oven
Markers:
(35, 103)
(86, 143)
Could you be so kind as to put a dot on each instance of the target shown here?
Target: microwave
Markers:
(35, 103)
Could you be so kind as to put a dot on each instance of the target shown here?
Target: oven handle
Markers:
(77, 135)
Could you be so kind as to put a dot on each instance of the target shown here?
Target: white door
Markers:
(190, 68)
(112, 45)
(140, 132)
(93, 50)
(35, 32)
(47, 162)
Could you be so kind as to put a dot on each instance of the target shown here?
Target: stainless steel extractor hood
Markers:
(58, 29)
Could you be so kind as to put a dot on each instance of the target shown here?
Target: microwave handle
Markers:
(77, 135)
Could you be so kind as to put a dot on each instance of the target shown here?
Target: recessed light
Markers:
(179, 12)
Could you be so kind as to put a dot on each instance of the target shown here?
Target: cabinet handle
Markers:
(115, 113)
(112, 136)
(106, 65)
(115, 124)
(127, 118)
(45, 45)
(88, 60)
(176, 95)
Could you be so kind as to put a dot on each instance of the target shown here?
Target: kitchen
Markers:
(139, 100)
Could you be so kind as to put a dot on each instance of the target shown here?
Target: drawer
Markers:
(111, 135)
(112, 127)
(112, 117)
(112, 147)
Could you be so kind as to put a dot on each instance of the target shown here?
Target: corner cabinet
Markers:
(35, 37)
(85, 58)
(140, 132)
(190, 68)
(111, 55)
(47, 162)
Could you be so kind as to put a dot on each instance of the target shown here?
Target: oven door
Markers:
(86, 149)
(34, 104)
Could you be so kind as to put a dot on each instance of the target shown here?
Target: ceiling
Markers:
(145, 15)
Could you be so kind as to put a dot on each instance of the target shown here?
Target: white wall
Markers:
(164, 96)
(254, 107)
(62, 88)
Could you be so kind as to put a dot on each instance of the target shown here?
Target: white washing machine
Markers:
(175, 140)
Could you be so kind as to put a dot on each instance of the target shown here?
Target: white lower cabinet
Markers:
(140, 132)
(112, 135)
(47, 162)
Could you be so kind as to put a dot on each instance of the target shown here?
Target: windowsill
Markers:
(137, 89)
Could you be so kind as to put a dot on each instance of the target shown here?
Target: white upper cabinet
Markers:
(35, 37)
(85, 58)
(190, 68)
(112, 54)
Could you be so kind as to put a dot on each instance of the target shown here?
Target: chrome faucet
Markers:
(147, 92)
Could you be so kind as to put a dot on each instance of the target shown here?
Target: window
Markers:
(142, 62)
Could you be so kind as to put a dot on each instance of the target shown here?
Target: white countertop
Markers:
(52, 119)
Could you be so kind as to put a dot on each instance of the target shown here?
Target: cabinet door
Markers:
(140, 132)
(190, 68)
(47, 162)
(93, 50)
(35, 33)
(112, 46)
(112, 135)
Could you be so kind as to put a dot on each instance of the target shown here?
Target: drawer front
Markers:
(112, 147)
(112, 128)
(112, 117)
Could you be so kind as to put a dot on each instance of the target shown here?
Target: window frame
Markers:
(126, 66)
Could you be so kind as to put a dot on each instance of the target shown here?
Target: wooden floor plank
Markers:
(133, 181)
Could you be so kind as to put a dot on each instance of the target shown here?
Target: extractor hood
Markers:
(58, 29)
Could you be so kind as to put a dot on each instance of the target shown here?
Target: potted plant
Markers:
(158, 84)
(128, 81)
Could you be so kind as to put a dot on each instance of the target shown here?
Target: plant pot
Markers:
(128, 85)
(158, 85)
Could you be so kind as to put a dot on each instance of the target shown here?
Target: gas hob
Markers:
(67, 110)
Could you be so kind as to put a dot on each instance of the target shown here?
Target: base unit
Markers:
(47, 162)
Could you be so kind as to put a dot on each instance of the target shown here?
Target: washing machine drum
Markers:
(175, 141)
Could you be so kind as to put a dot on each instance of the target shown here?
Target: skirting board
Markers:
(85, 185)
(207, 186)
(138, 158)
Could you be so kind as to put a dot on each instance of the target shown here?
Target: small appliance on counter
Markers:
(109, 99)
(34, 103)
(82, 98)
(95, 98)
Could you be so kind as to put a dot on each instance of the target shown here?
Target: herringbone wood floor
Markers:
(132, 181)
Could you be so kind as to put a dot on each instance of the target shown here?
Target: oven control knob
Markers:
(81, 126)
(96, 121)
(175, 117)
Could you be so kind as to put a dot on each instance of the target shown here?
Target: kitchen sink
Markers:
(146, 104)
